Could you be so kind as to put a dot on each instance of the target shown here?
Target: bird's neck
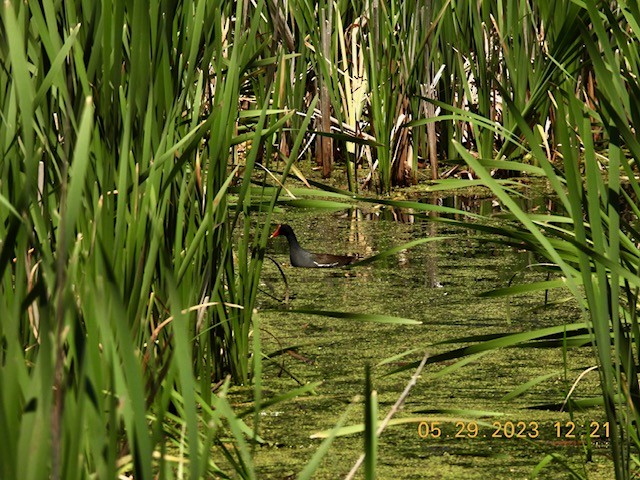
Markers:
(293, 241)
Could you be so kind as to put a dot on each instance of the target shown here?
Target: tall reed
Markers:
(122, 295)
(593, 240)
(130, 254)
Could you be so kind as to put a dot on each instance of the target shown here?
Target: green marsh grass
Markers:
(123, 300)
(138, 157)
(591, 243)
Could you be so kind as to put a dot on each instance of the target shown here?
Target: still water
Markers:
(438, 284)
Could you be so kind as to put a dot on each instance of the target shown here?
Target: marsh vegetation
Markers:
(147, 149)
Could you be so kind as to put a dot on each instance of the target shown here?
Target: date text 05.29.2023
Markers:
(511, 429)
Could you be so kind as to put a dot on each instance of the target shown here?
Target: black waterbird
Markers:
(301, 258)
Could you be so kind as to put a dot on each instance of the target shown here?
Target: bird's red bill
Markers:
(276, 232)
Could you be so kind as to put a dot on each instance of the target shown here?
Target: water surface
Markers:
(438, 284)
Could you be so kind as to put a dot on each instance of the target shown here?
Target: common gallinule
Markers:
(301, 258)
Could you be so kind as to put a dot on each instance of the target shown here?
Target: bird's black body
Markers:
(301, 258)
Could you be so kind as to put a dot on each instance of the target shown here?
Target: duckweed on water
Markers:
(437, 284)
